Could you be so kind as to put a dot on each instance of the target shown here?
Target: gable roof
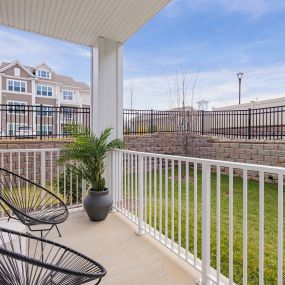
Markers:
(62, 79)
(69, 81)
(43, 66)
(6, 65)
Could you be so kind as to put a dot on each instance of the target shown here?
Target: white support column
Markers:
(107, 91)
(1, 89)
(4, 127)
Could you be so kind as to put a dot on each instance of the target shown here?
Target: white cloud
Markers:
(252, 8)
(220, 87)
(34, 49)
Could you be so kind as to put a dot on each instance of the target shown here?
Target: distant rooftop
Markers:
(63, 79)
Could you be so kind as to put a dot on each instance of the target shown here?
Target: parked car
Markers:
(25, 132)
(2, 134)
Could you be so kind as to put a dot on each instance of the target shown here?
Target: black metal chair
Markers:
(30, 203)
(29, 260)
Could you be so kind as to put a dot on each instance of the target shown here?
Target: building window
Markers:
(67, 94)
(46, 130)
(16, 71)
(43, 74)
(16, 107)
(43, 90)
(46, 111)
(67, 114)
(16, 85)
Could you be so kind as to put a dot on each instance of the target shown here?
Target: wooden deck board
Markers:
(128, 258)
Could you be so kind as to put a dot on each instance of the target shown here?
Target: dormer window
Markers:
(43, 74)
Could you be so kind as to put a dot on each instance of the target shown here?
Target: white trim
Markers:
(13, 101)
(7, 76)
(15, 92)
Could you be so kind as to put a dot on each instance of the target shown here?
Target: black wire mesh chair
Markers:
(30, 203)
(29, 260)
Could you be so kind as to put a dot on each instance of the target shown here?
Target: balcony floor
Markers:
(128, 258)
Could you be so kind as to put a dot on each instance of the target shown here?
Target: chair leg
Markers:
(42, 247)
(58, 230)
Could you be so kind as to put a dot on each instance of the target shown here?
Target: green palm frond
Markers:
(89, 153)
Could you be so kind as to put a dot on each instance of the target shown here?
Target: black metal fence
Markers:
(150, 121)
(263, 123)
(21, 121)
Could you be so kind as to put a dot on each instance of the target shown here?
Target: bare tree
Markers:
(181, 97)
(132, 91)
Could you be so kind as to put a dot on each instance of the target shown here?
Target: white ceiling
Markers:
(80, 21)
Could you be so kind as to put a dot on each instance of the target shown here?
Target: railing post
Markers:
(41, 121)
(140, 195)
(202, 122)
(116, 161)
(113, 183)
(43, 169)
(43, 173)
(249, 124)
(206, 206)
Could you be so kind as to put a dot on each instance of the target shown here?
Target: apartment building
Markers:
(23, 87)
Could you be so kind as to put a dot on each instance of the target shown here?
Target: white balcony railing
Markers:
(223, 218)
(208, 212)
(39, 165)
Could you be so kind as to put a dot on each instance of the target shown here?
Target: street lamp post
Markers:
(239, 75)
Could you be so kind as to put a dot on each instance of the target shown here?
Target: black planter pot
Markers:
(97, 204)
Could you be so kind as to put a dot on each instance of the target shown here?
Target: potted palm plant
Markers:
(89, 153)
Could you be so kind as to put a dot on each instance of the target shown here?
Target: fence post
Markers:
(206, 198)
(140, 195)
(202, 122)
(151, 121)
(188, 121)
(249, 124)
(41, 121)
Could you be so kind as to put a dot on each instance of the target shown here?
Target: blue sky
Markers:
(203, 40)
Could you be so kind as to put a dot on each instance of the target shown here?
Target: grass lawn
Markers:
(270, 222)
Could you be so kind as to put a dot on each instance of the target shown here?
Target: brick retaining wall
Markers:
(28, 164)
(245, 151)
(166, 143)
(32, 144)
